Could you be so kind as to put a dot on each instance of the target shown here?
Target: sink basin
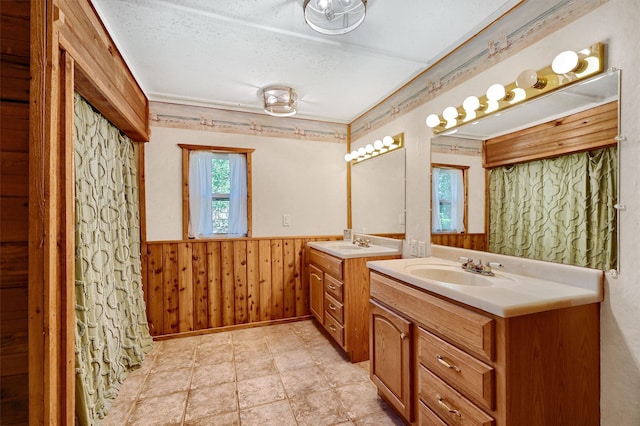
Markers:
(449, 275)
(344, 246)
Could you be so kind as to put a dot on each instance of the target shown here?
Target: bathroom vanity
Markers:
(510, 349)
(339, 290)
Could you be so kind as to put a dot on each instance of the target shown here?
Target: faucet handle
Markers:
(465, 259)
(495, 265)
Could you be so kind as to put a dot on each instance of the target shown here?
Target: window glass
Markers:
(448, 199)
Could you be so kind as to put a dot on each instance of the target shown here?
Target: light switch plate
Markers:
(286, 219)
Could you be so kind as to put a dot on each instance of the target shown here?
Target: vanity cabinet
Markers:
(339, 299)
(464, 366)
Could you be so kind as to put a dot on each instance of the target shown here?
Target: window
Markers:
(449, 198)
(216, 191)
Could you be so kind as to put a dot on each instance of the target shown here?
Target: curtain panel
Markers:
(112, 334)
(559, 209)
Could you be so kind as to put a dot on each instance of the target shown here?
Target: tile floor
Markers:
(287, 374)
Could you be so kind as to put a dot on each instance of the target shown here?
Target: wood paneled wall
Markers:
(467, 241)
(587, 130)
(191, 286)
(14, 201)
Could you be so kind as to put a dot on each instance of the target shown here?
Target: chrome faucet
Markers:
(361, 242)
(478, 268)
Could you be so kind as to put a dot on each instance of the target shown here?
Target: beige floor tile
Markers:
(255, 333)
(344, 373)
(225, 419)
(256, 366)
(131, 386)
(326, 353)
(173, 360)
(250, 346)
(119, 412)
(284, 343)
(304, 381)
(165, 410)
(274, 414)
(318, 409)
(360, 399)
(292, 360)
(207, 375)
(211, 401)
(166, 382)
(214, 339)
(214, 354)
(380, 418)
(260, 390)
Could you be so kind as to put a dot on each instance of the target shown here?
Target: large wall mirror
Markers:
(378, 195)
(595, 99)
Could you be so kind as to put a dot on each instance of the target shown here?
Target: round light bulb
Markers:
(362, 151)
(450, 113)
(471, 103)
(387, 140)
(526, 79)
(565, 62)
(354, 155)
(378, 144)
(496, 92)
(369, 148)
(347, 157)
(433, 120)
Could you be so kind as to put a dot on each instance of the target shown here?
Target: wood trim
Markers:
(467, 241)
(185, 184)
(102, 76)
(584, 131)
(349, 209)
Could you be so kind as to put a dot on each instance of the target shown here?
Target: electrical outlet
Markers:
(286, 219)
(422, 249)
(413, 249)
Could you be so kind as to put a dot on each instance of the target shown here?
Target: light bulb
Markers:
(387, 140)
(323, 4)
(518, 95)
(347, 157)
(272, 99)
(433, 121)
(369, 148)
(450, 113)
(378, 144)
(565, 62)
(354, 154)
(496, 92)
(471, 103)
(362, 151)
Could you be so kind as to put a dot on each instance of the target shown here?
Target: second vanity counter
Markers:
(505, 294)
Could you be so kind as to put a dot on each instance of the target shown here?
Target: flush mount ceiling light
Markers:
(334, 16)
(567, 68)
(279, 101)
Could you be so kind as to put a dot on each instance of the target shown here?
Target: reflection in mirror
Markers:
(378, 195)
(581, 120)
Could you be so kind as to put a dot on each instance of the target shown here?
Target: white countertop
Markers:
(508, 294)
(348, 250)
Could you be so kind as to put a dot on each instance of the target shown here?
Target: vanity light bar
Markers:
(567, 68)
(375, 149)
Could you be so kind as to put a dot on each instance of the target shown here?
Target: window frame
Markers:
(186, 150)
(465, 182)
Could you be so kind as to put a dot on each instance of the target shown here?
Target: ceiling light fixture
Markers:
(567, 68)
(334, 16)
(279, 101)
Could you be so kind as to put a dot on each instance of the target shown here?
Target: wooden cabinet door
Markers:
(316, 293)
(390, 351)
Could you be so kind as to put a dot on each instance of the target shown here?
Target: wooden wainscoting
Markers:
(467, 241)
(192, 286)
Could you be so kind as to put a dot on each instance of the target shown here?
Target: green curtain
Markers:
(112, 334)
(559, 209)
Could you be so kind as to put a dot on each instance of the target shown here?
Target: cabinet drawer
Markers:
(466, 328)
(335, 329)
(447, 403)
(462, 371)
(333, 287)
(426, 417)
(329, 264)
(334, 308)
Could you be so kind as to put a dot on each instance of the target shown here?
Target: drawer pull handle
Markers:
(449, 409)
(332, 287)
(444, 362)
(316, 276)
(333, 308)
(403, 336)
(333, 328)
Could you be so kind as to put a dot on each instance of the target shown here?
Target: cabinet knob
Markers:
(332, 287)
(403, 336)
(333, 308)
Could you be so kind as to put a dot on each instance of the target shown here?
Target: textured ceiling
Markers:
(219, 53)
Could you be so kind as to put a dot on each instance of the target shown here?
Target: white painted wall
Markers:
(302, 178)
(616, 24)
